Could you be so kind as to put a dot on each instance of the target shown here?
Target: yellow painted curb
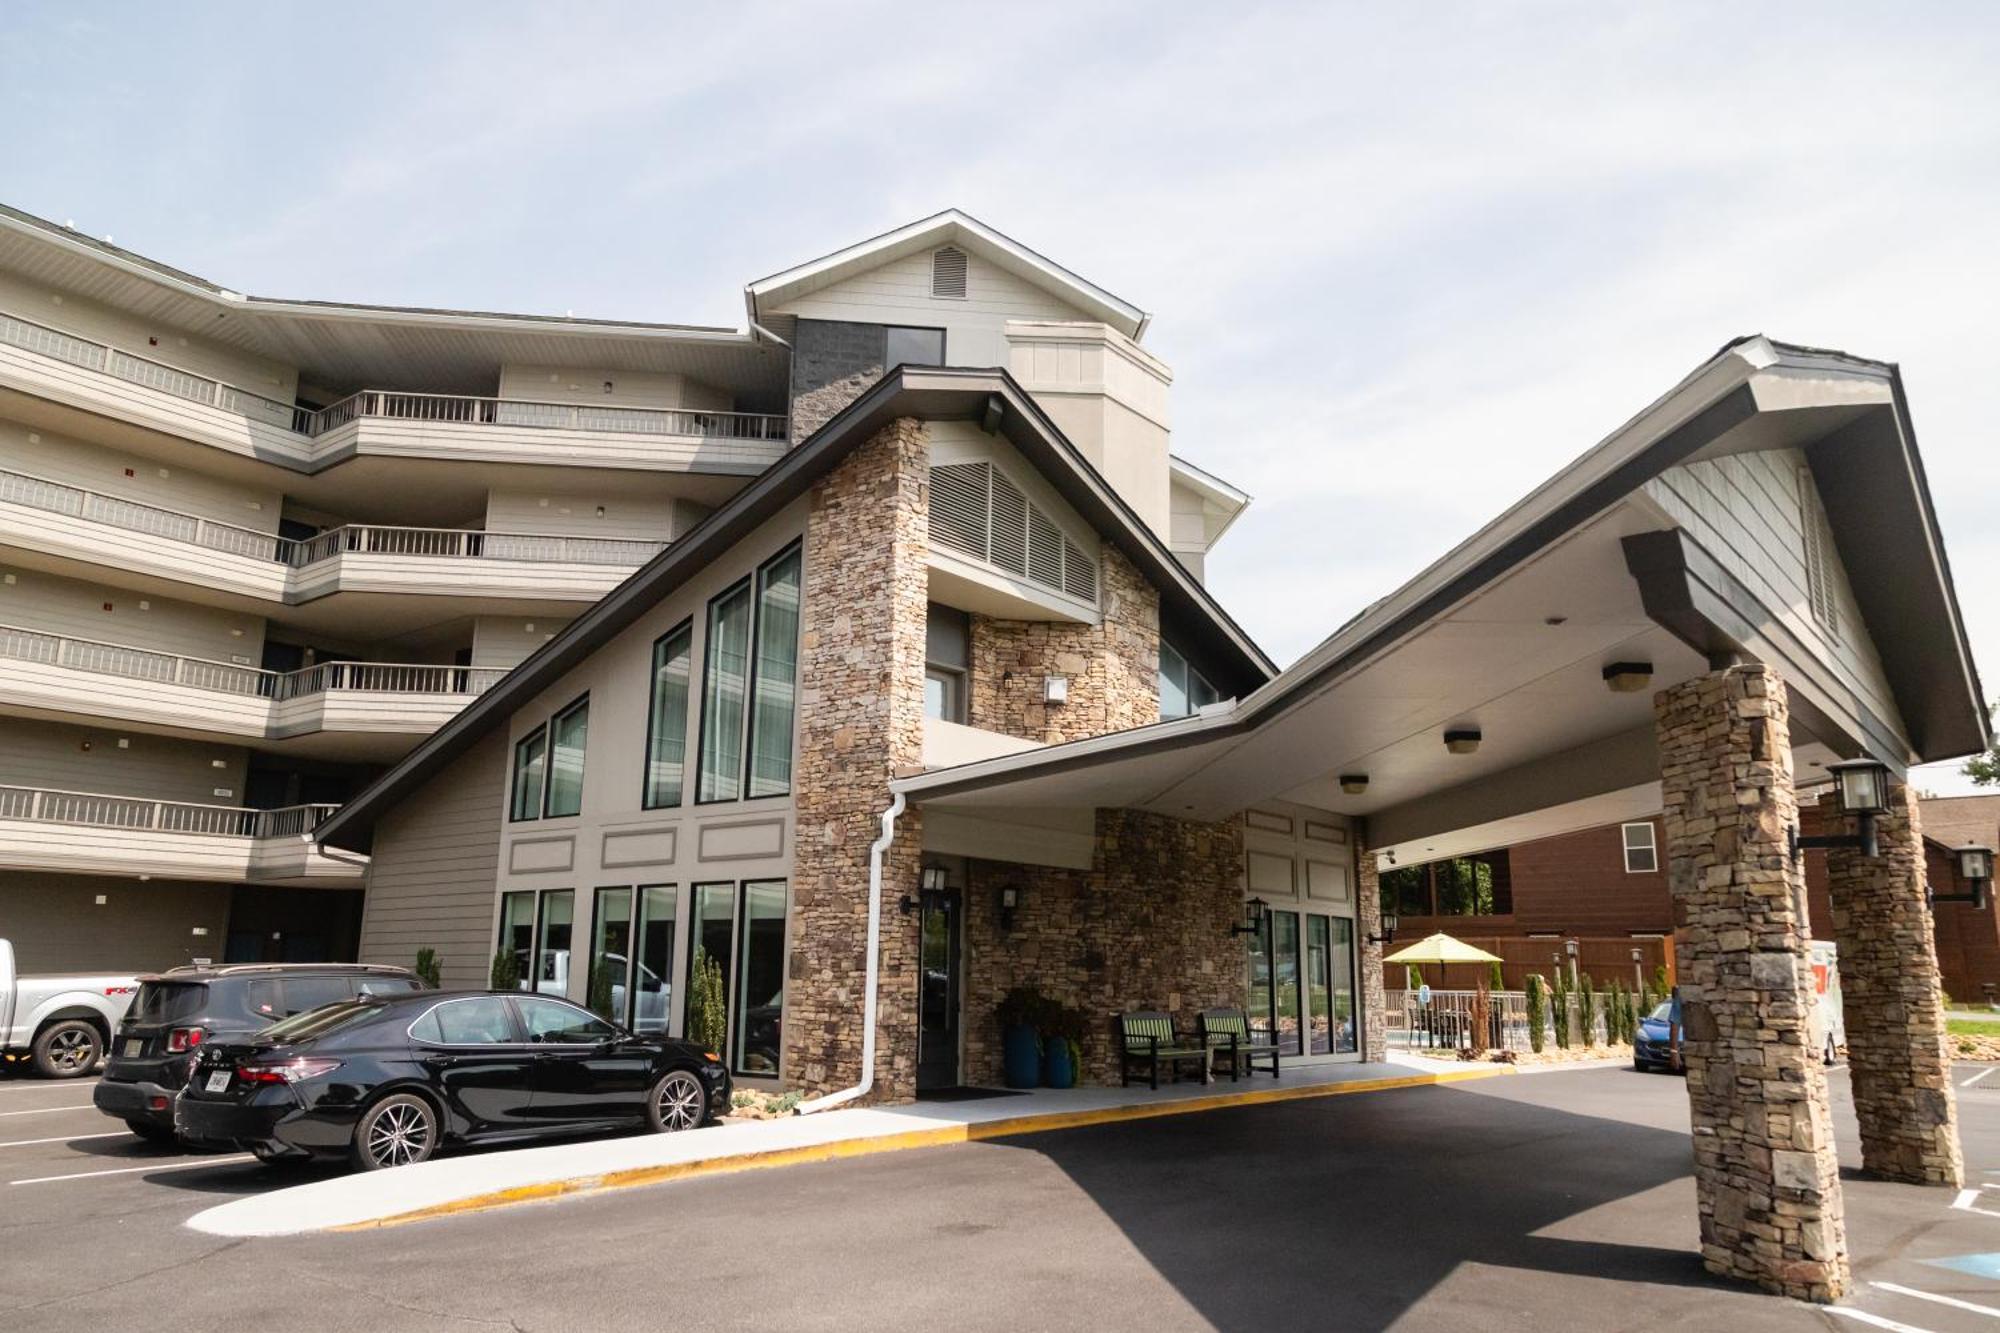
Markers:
(935, 1137)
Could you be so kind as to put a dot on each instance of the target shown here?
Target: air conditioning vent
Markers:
(979, 511)
(948, 272)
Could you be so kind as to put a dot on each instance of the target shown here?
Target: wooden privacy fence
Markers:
(1604, 960)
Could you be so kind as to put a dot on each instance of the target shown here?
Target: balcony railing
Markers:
(97, 810)
(59, 498)
(111, 659)
(382, 403)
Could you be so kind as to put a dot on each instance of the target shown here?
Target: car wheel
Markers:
(399, 1130)
(677, 1101)
(150, 1132)
(68, 1049)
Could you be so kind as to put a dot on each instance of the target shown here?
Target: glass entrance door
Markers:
(1301, 968)
(939, 964)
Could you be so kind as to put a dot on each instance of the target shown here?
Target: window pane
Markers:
(1200, 693)
(914, 347)
(517, 933)
(937, 694)
(654, 1000)
(777, 676)
(1173, 683)
(529, 755)
(553, 1021)
(945, 636)
(714, 906)
(566, 745)
(1345, 1037)
(552, 953)
(1319, 985)
(1285, 978)
(725, 680)
(1262, 1020)
(668, 723)
(480, 1021)
(761, 999)
(611, 954)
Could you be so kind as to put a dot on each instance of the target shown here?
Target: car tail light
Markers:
(286, 1071)
(184, 1039)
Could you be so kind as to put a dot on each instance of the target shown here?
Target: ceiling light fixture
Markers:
(1628, 677)
(1462, 740)
(1354, 783)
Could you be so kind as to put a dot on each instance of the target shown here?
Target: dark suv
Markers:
(178, 1010)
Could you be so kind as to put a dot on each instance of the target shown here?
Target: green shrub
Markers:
(600, 990)
(707, 1003)
(506, 971)
(1413, 976)
(1587, 1009)
(1497, 978)
(1561, 1011)
(1538, 1013)
(430, 967)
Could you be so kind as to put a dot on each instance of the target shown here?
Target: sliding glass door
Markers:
(1302, 982)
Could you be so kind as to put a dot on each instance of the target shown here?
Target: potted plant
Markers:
(1020, 1013)
(1062, 1031)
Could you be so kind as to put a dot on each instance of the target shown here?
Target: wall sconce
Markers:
(1055, 689)
(1388, 930)
(1011, 897)
(1628, 677)
(1253, 918)
(1863, 785)
(1975, 866)
(1354, 783)
(931, 882)
(1462, 740)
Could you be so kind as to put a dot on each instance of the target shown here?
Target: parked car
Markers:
(1826, 1026)
(388, 1080)
(1651, 1048)
(61, 1022)
(176, 1012)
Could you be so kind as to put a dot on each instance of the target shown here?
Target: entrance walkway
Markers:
(495, 1179)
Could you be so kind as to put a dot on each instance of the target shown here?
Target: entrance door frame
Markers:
(944, 883)
(1301, 861)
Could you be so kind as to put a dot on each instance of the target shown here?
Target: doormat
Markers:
(962, 1094)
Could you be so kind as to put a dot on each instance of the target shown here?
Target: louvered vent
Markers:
(948, 272)
(1819, 554)
(978, 511)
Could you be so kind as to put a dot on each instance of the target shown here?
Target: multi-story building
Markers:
(254, 549)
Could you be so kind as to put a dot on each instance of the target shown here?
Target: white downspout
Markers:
(876, 851)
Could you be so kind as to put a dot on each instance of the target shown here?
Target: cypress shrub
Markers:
(506, 971)
(1413, 976)
(1587, 1005)
(1538, 1013)
(431, 968)
(1498, 979)
(708, 1015)
(1561, 1011)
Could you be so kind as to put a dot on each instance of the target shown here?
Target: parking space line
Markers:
(1952, 1301)
(1849, 1312)
(51, 1110)
(128, 1170)
(1981, 1074)
(62, 1138)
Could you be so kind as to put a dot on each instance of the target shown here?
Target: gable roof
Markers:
(931, 393)
(951, 227)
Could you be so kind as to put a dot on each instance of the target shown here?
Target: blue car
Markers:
(1652, 1049)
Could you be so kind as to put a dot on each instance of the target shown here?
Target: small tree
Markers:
(1481, 1020)
(1538, 1013)
(1587, 1007)
(1561, 1012)
(430, 967)
(708, 1003)
(600, 989)
(1498, 979)
(1413, 976)
(1621, 1012)
(506, 971)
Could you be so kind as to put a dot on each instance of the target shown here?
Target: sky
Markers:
(1405, 261)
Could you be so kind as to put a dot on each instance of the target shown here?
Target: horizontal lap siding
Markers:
(53, 605)
(46, 754)
(431, 882)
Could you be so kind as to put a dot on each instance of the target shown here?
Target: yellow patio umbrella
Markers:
(1440, 948)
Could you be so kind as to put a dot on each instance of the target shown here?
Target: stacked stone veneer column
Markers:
(1767, 1180)
(832, 363)
(1897, 1052)
(1368, 920)
(1146, 927)
(1113, 668)
(861, 672)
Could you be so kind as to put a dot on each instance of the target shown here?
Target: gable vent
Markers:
(948, 272)
(1819, 555)
(978, 511)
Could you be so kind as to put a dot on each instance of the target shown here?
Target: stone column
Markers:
(1368, 921)
(1767, 1181)
(1897, 1053)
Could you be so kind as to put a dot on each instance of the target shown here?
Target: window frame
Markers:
(514, 816)
(646, 800)
(957, 679)
(943, 337)
(751, 583)
(597, 902)
(760, 582)
(581, 702)
(1651, 847)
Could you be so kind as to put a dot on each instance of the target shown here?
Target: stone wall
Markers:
(1368, 925)
(832, 363)
(1113, 668)
(1898, 1056)
(1148, 926)
(861, 656)
(1767, 1182)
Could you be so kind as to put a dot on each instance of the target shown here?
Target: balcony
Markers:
(105, 530)
(98, 833)
(51, 364)
(43, 674)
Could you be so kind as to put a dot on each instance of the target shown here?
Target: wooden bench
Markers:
(1227, 1033)
(1147, 1040)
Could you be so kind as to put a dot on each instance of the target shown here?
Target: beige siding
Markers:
(1746, 510)
(45, 754)
(93, 467)
(629, 388)
(53, 605)
(575, 514)
(56, 923)
(506, 641)
(431, 881)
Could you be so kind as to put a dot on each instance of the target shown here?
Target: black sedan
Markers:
(388, 1080)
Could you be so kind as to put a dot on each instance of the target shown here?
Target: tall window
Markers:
(947, 654)
(567, 735)
(609, 991)
(765, 612)
(761, 972)
(708, 937)
(1183, 690)
(666, 722)
(652, 978)
(774, 693)
(530, 766)
(1642, 854)
(517, 933)
(914, 347)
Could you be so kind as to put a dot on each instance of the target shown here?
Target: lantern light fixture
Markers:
(1628, 677)
(1975, 866)
(1862, 787)
(1253, 918)
(1353, 784)
(1388, 932)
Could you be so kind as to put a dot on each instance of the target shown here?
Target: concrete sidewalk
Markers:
(475, 1181)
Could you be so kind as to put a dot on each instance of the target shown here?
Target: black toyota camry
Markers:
(388, 1080)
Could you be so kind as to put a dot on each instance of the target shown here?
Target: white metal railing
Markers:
(1446, 1020)
(468, 543)
(99, 810)
(112, 659)
(385, 403)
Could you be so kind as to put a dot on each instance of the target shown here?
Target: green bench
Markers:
(1147, 1040)
(1227, 1033)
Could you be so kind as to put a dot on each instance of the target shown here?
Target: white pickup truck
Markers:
(59, 1022)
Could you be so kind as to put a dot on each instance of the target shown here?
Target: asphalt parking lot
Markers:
(1532, 1202)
